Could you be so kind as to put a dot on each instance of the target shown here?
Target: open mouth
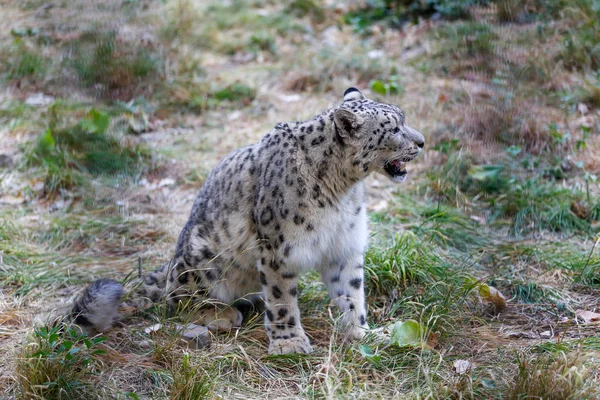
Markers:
(395, 168)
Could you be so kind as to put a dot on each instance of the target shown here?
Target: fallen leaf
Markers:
(587, 316)
(366, 351)
(492, 295)
(462, 366)
(409, 333)
(11, 200)
(153, 328)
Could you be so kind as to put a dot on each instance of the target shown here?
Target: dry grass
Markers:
(553, 377)
(215, 76)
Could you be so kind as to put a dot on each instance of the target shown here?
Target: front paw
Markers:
(298, 344)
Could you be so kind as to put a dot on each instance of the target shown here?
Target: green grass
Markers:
(504, 197)
(397, 12)
(511, 197)
(114, 68)
(582, 40)
(467, 39)
(25, 265)
(69, 155)
(191, 381)
(58, 363)
(24, 62)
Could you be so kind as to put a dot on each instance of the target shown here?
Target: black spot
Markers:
(294, 291)
(356, 283)
(288, 275)
(358, 210)
(282, 312)
(183, 278)
(335, 279)
(352, 306)
(210, 276)
(298, 219)
(82, 320)
(151, 280)
(266, 216)
(310, 227)
(276, 292)
(292, 321)
(316, 192)
(263, 278)
(363, 320)
(286, 250)
(317, 141)
(280, 326)
(270, 315)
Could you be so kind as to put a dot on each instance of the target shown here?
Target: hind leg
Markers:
(191, 291)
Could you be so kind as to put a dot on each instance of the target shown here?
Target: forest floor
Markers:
(113, 113)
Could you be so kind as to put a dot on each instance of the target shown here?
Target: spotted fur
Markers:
(292, 202)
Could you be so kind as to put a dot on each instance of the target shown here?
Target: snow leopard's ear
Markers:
(353, 94)
(347, 123)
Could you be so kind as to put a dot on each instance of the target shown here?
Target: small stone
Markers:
(546, 335)
(5, 161)
(462, 366)
(145, 344)
(197, 336)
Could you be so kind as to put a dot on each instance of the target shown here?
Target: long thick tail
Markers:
(96, 307)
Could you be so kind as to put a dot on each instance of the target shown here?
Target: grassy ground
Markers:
(111, 116)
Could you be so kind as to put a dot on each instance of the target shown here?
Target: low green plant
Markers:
(582, 40)
(387, 87)
(303, 8)
(67, 154)
(236, 92)
(24, 61)
(262, 41)
(397, 12)
(405, 260)
(467, 39)
(534, 204)
(57, 363)
(113, 67)
(191, 381)
(448, 227)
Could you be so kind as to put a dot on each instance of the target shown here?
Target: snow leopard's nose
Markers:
(416, 136)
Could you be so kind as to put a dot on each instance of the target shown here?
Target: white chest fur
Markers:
(336, 235)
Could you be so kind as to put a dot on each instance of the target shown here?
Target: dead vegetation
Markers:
(483, 272)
